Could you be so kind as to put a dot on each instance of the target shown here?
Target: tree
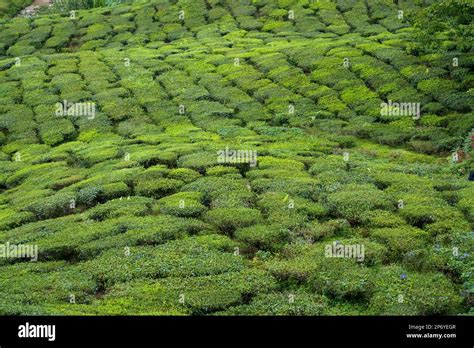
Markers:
(442, 23)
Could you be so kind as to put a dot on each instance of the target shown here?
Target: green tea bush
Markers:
(300, 186)
(341, 278)
(277, 303)
(128, 231)
(136, 206)
(189, 257)
(53, 283)
(353, 201)
(422, 210)
(11, 8)
(466, 204)
(402, 293)
(183, 204)
(53, 206)
(10, 219)
(264, 237)
(230, 219)
(400, 240)
(133, 209)
(55, 132)
(198, 161)
(276, 203)
(221, 192)
(202, 295)
(158, 188)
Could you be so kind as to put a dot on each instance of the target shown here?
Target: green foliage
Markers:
(229, 219)
(53, 206)
(263, 237)
(276, 303)
(421, 294)
(353, 201)
(187, 257)
(68, 5)
(202, 294)
(158, 188)
(9, 8)
(134, 207)
(400, 240)
(443, 21)
(341, 278)
(184, 204)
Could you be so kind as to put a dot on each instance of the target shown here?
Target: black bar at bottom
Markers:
(429, 331)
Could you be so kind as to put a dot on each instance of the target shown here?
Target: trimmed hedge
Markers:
(229, 219)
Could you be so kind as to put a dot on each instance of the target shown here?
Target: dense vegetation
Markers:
(9, 8)
(132, 211)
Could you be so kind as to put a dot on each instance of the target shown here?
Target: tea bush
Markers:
(133, 207)
(188, 257)
(263, 237)
(275, 303)
(10, 8)
(396, 292)
(353, 201)
(342, 279)
(184, 204)
(229, 219)
(158, 188)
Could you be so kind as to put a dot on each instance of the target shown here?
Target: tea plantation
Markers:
(139, 203)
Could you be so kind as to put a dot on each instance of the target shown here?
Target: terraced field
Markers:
(139, 202)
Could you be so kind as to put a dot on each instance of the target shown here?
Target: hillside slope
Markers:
(134, 197)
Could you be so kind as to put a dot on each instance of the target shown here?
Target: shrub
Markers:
(353, 201)
(466, 203)
(299, 186)
(278, 163)
(181, 258)
(135, 206)
(220, 192)
(184, 174)
(198, 161)
(401, 240)
(277, 303)
(78, 196)
(11, 8)
(114, 190)
(96, 31)
(55, 132)
(202, 295)
(327, 229)
(221, 171)
(422, 210)
(120, 109)
(89, 195)
(130, 231)
(10, 219)
(383, 218)
(184, 204)
(277, 202)
(51, 282)
(342, 279)
(436, 87)
(53, 206)
(264, 237)
(158, 188)
(421, 294)
(230, 219)
(65, 182)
